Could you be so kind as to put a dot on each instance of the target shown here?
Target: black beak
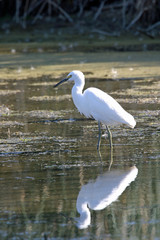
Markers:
(62, 81)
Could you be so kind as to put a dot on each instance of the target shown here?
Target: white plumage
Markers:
(95, 103)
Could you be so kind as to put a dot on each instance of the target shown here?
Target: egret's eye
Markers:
(69, 76)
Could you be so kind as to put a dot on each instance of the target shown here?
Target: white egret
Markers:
(94, 103)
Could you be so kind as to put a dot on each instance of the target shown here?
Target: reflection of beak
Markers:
(64, 80)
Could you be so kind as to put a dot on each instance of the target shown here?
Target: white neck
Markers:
(77, 96)
(85, 216)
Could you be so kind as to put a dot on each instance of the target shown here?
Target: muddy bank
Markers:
(70, 39)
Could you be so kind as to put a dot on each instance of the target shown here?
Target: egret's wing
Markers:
(106, 109)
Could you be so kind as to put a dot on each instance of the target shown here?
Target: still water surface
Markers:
(49, 162)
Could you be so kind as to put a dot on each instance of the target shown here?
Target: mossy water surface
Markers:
(48, 150)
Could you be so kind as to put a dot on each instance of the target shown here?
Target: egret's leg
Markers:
(111, 159)
(99, 137)
(110, 137)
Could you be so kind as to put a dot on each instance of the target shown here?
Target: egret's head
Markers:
(76, 76)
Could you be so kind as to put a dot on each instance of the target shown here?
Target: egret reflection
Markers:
(100, 193)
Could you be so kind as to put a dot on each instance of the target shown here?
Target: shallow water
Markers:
(48, 150)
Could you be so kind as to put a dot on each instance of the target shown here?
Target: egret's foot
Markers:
(99, 155)
(98, 147)
(111, 159)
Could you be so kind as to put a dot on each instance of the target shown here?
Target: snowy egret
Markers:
(94, 103)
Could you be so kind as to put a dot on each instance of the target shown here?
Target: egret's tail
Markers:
(132, 122)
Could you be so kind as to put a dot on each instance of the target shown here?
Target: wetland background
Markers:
(47, 149)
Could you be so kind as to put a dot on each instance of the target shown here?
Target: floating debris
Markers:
(4, 110)
(114, 73)
(50, 98)
(8, 92)
(13, 51)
